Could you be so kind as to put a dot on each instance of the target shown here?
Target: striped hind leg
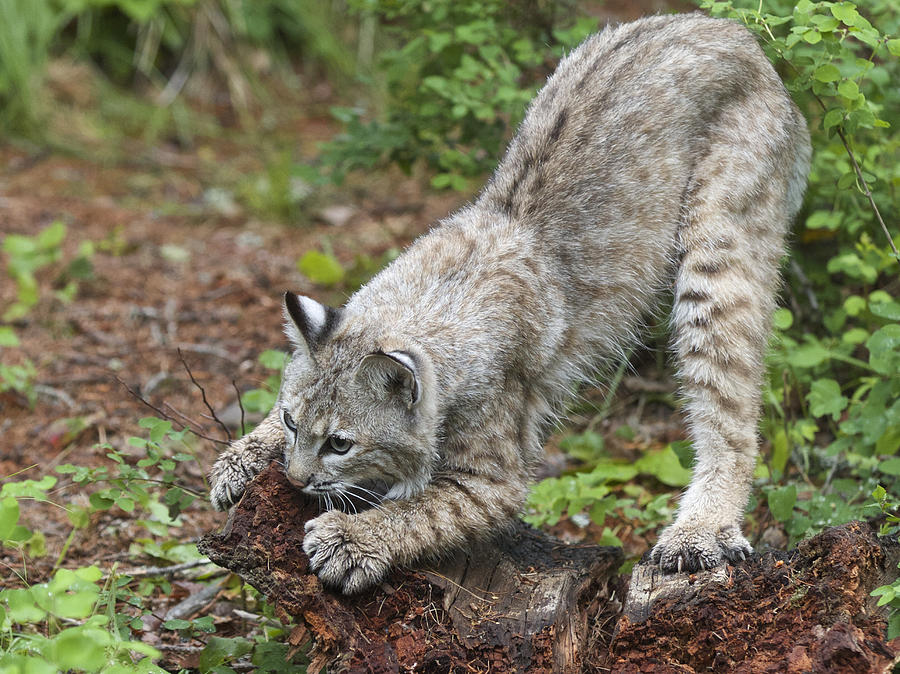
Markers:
(731, 243)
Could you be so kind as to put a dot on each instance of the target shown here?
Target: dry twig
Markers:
(203, 395)
(168, 417)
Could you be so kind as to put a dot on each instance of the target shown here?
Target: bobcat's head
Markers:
(357, 407)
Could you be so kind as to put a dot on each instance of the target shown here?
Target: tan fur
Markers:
(663, 156)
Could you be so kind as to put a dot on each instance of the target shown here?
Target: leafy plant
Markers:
(597, 493)
(26, 255)
(128, 487)
(33, 637)
(889, 595)
(325, 270)
(454, 87)
(262, 399)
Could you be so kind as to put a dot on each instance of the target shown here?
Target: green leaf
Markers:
(272, 359)
(890, 466)
(781, 502)
(684, 450)
(884, 350)
(8, 336)
(587, 446)
(855, 336)
(9, 517)
(893, 630)
(854, 304)
(889, 310)
(846, 180)
(320, 268)
(894, 46)
(808, 355)
(846, 13)
(614, 471)
(51, 236)
(783, 318)
(812, 36)
(22, 607)
(825, 398)
(158, 427)
(832, 118)
(889, 442)
(824, 23)
(218, 650)
(177, 624)
(82, 648)
(848, 89)
(827, 73)
(665, 466)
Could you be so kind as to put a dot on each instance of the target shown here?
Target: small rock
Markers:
(337, 215)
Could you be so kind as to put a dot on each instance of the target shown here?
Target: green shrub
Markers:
(457, 77)
(838, 352)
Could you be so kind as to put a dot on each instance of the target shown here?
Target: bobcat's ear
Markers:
(391, 375)
(306, 322)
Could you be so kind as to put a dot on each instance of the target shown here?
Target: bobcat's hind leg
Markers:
(731, 242)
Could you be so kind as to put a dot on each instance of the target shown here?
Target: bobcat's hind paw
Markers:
(692, 547)
(344, 553)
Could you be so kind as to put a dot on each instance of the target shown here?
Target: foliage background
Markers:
(431, 88)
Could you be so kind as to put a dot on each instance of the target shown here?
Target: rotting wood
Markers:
(807, 610)
(529, 603)
(512, 605)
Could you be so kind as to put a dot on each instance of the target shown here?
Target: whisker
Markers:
(376, 495)
(345, 497)
(362, 498)
(342, 501)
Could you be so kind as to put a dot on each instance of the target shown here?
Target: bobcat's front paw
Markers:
(694, 547)
(344, 553)
(229, 478)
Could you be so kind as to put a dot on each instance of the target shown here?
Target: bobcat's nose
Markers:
(299, 483)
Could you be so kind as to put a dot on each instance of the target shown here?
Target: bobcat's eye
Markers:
(337, 445)
(288, 421)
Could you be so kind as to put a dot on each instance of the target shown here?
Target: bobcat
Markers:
(662, 156)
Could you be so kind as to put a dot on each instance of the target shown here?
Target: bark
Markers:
(529, 603)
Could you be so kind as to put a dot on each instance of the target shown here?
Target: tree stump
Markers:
(515, 604)
(529, 603)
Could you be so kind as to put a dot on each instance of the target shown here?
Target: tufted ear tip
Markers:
(308, 323)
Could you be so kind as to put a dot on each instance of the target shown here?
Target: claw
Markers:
(680, 563)
(743, 556)
(700, 562)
